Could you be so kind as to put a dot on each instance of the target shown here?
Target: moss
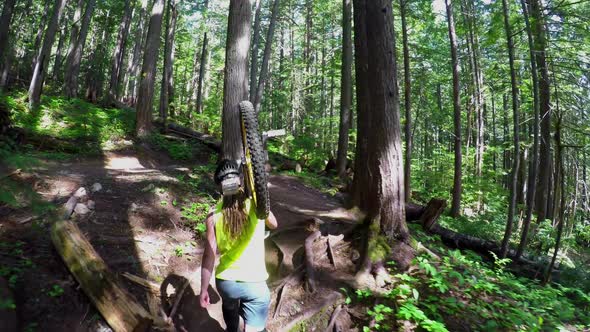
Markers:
(379, 247)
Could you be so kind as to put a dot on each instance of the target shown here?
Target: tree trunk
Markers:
(539, 32)
(119, 53)
(72, 69)
(385, 185)
(57, 73)
(456, 203)
(516, 134)
(254, 55)
(345, 89)
(44, 54)
(148, 72)
(235, 83)
(560, 196)
(6, 18)
(360, 196)
(39, 37)
(167, 93)
(265, 59)
(133, 69)
(407, 102)
(203, 65)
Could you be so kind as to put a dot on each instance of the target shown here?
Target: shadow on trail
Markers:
(190, 316)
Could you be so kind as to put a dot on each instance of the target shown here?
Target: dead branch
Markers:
(333, 318)
(149, 285)
(331, 253)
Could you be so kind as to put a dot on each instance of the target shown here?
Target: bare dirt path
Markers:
(136, 228)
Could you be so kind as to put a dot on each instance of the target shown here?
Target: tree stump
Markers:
(432, 212)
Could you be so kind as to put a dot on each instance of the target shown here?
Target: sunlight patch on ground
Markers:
(115, 162)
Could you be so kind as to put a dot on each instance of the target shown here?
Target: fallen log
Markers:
(208, 140)
(119, 308)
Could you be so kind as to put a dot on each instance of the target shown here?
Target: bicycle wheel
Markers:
(256, 177)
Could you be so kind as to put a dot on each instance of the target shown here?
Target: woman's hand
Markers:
(204, 299)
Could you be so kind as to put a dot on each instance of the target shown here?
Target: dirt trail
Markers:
(136, 228)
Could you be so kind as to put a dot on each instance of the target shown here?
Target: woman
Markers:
(234, 231)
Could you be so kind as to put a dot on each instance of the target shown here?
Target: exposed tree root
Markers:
(309, 258)
(333, 318)
(330, 300)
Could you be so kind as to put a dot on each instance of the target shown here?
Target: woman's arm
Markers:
(271, 221)
(208, 261)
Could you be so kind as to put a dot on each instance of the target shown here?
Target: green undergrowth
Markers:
(182, 150)
(200, 184)
(92, 127)
(460, 289)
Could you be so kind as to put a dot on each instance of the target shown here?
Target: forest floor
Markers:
(137, 226)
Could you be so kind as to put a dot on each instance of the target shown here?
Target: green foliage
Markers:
(15, 252)
(176, 150)
(55, 291)
(72, 119)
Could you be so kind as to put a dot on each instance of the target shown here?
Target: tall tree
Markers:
(516, 132)
(545, 169)
(255, 46)
(266, 57)
(119, 53)
(167, 90)
(407, 101)
(534, 167)
(456, 204)
(133, 67)
(72, 69)
(6, 19)
(145, 94)
(43, 57)
(385, 180)
(345, 88)
(204, 61)
(235, 82)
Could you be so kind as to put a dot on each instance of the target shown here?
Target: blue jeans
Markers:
(247, 299)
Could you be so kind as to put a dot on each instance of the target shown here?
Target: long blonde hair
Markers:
(234, 213)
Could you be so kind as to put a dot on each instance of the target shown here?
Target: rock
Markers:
(298, 168)
(149, 187)
(81, 193)
(91, 205)
(81, 209)
(133, 207)
(355, 255)
(96, 187)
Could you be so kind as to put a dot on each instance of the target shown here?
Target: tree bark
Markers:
(266, 57)
(39, 36)
(384, 188)
(560, 197)
(72, 69)
(6, 19)
(44, 54)
(133, 69)
(345, 89)
(360, 197)
(119, 54)
(57, 73)
(539, 32)
(167, 89)
(456, 203)
(203, 65)
(235, 83)
(254, 55)
(516, 134)
(407, 102)
(148, 72)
